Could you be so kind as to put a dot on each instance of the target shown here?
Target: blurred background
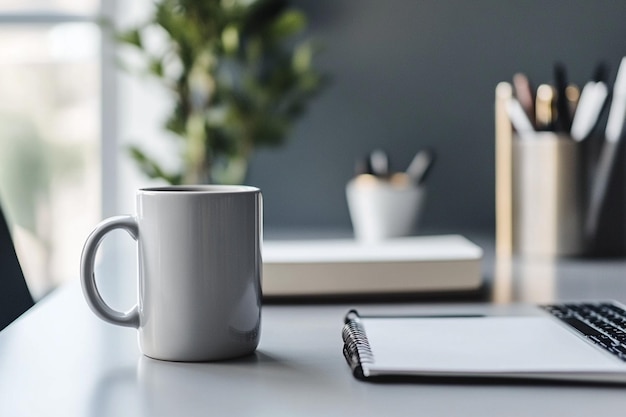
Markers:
(405, 75)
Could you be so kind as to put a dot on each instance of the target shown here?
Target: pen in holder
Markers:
(559, 181)
(382, 208)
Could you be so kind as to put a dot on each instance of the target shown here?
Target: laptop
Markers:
(584, 342)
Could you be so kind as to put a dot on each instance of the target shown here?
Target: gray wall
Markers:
(408, 74)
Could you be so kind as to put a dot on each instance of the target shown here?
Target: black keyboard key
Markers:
(581, 326)
(619, 348)
(615, 309)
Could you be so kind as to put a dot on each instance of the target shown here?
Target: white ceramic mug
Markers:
(199, 257)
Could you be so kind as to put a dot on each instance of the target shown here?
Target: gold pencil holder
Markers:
(548, 195)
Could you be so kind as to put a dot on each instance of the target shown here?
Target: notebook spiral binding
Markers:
(356, 348)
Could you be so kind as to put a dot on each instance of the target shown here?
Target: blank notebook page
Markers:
(480, 345)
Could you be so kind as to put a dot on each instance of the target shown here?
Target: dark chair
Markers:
(15, 297)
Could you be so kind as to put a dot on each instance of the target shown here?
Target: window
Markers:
(50, 133)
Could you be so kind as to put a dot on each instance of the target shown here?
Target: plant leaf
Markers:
(131, 37)
(151, 168)
(288, 24)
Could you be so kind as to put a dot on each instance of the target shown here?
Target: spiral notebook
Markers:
(580, 342)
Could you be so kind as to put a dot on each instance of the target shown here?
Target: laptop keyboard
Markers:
(603, 323)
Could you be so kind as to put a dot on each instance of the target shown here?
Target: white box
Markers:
(347, 267)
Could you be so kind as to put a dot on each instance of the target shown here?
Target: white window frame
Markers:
(108, 89)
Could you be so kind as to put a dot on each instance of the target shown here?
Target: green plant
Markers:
(240, 74)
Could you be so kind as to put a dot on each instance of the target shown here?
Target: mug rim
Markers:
(199, 189)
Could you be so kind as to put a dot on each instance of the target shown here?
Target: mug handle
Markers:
(88, 278)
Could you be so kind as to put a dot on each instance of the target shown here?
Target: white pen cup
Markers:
(382, 208)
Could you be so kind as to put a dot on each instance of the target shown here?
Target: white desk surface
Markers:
(60, 360)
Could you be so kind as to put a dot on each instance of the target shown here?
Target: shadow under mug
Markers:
(199, 258)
